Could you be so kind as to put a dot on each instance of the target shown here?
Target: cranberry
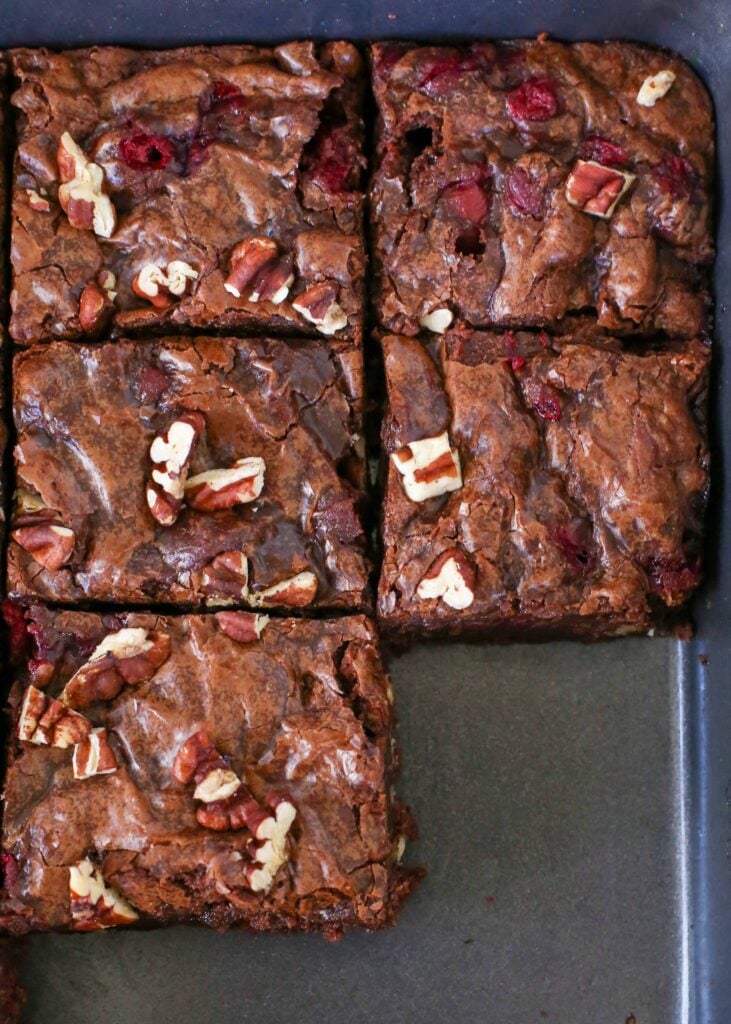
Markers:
(144, 152)
(544, 399)
(574, 542)
(150, 384)
(523, 194)
(602, 151)
(442, 72)
(332, 160)
(468, 198)
(223, 106)
(509, 341)
(671, 575)
(10, 870)
(388, 57)
(14, 617)
(517, 363)
(676, 175)
(534, 99)
(196, 154)
(543, 338)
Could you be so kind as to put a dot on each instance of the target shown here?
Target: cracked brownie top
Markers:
(537, 485)
(200, 187)
(209, 470)
(530, 183)
(201, 768)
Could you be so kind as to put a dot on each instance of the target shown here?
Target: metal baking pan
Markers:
(574, 801)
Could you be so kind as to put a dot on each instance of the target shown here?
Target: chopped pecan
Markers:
(429, 467)
(451, 578)
(228, 815)
(160, 286)
(37, 202)
(39, 532)
(272, 284)
(199, 761)
(596, 189)
(80, 192)
(94, 756)
(243, 627)
(223, 488)
(319, 305)
(295, 592)
(269, 851)
(248, 259)
(94, 904)
(94, 308)
(48, 722)
(172, 451)
(108, 281)
(437, 321)
(126, 658)
(655, 87)
(226, 578)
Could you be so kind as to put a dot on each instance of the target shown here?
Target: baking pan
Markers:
(574, 801)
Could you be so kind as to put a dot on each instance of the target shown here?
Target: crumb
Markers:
(703, 659)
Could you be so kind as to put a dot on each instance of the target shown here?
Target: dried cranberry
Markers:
(524, 195)
(602, 151)
(543, 399)
(543, 338)
(676, 175)
(534, 99)
(517, 363)
(144, 152)
(574, 541)
(331, 163)
(468, 199)
(150, 384)
(670, 576)
(223, 106)
(388, 56)
(196, 154)
(15, 620)
(10, 870)
(442, 72)
(340, 519)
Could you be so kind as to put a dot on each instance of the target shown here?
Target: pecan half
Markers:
(94, 308)
(451, 578)
(80, 192)
(199, 761)
(319, 305)
(595, 189)
(151, 283)
(226, 578)
(48, 722)
(296, 592)
(126, 658)
(243, 627)
(269, 851)
(172, 452)
(429, 467)
(272, 284)
(94, 756)
(248, 258)
(94, 904)
(39, 532)
(223, 488)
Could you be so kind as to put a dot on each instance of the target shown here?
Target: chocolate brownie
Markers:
(225, 770)
(190, 470)
(531, 183)
(199, 187)
(541, 487)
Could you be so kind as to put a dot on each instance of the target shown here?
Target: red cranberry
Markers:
(388, 57)
(517, 363)
(509, 341)
(543, 338)
(223, 106)
(543, 399)
(671, 575)
(676, 176)
(602, 151)
(523, 194)
(14, 617)
(10, 870)
(196, 154)
(332, 162)
(574, 542)
(468, 199)
(534, 99)
(441, 73)
(144, 152)
(150, 384)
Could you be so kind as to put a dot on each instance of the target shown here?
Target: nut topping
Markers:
(199, 761)
(596, 189)
(429, 467)
(38, 531)
(80, 192)
(37, 202)
(655, 87)
(296, 592)
(94, 904)
(450, 578)
(223, 488)
(179, 273)
(272, 284)
(172, 451)
(226, 578)
(48, 722)
(437, 321)
(269, 853)
(243, 627)
(319, 305)
(94, 756)
(94, 307)
(126, 658)
(108, 281)
(248, 258)
(159, 286)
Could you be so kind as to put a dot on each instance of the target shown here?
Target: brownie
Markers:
(541, 488)
(199, 187)
(190, 470)
(12, 996)
(224, 770)
(529, 183)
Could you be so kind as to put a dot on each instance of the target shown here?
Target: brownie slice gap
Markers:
(196, 471)
(537, 183)
(203, 187)
(541, 488)
(12, 996)
(216, 769)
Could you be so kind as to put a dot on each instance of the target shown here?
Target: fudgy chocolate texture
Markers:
(86, 417)
(304, 711)
(585, 477)
(475, 146)
(12, 996)
(201, 148)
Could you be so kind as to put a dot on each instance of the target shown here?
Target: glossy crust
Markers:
(585, 477)
(304, 711)
(258, 142)
(86, 417)
(475, 146)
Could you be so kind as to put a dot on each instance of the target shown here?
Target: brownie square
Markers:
(541, 488)
(199, 187)
(225, 770)
(529, 183)
(207, 470)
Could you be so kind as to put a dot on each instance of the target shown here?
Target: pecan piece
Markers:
(160, 286)
(223, 488)
(596, 189)
(126, 658)
(199, 761)
(269, 851)
(319, 305)
(437, 321)
(243, 627)
(655, 87)
(429, 467)
(94, 904)
(48, 722)
(295, 592)
(94, 756)
(38, 531)
(172, 451)
(451, 578)
(37, 202)
(226, 578)
(231, 814)
(272, 284)
(80, 192)
(94, 308)
(248, 258)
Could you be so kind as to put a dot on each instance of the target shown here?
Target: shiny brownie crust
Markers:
(86, 417)
(201, 149)
(584, 482)
(475, 146)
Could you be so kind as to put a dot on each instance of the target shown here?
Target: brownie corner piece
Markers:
(531, 183)
(213, 769)
(203, 187)
(541, 488)
(210, 471)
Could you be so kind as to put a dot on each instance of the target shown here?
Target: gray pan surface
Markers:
(574, 801)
